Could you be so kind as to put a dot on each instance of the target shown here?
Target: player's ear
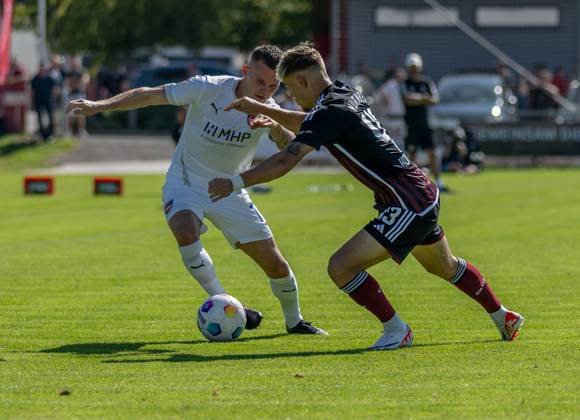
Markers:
(244, 70)
(302, 81)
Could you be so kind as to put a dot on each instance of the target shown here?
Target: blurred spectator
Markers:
(180, 115)
(459, 156)
(43, 87)
(392, 67)
(541, 100)
(507, 75)
(388, 100)
(17, 72)
(76, 81)
(363, 81)
(523, 94)
(419, 92)
(117, 80)
(561, 80)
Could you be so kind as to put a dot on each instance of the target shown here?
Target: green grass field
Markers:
(94, 301)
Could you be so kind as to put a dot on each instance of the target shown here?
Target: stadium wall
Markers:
(445, 49)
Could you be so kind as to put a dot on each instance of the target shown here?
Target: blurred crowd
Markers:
(65, 79)
(402, 97)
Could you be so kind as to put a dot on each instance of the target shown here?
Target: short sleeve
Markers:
(319, 128)
(187, 92)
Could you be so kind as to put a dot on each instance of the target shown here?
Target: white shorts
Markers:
(236, 216)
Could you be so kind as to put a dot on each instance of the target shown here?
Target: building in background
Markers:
(380, 33)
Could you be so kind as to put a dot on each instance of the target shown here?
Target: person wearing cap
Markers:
(418, 92)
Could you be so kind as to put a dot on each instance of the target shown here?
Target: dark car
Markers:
(176, 72)
(168, 117)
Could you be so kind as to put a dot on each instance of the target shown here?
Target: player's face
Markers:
(260, 80)
(298, 89)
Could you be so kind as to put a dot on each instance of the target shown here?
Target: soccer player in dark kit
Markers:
(407, 201)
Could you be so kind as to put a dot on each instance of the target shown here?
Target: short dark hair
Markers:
(268, 54)
(300, 57)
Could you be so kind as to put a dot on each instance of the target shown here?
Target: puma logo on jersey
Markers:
(215, 108)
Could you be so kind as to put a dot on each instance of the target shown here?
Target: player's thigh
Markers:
(357, 254)
(437, 258)
(239, 219)
(268, 256)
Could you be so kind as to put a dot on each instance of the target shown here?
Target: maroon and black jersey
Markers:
(343, 123)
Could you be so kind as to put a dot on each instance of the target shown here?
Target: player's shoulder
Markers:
(218, 81)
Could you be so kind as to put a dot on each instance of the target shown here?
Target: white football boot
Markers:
(511, 326)
(394, 339)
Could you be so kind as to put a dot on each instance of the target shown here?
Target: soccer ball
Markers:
(221, 318)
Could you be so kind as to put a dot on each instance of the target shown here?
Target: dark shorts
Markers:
(418, 137)
(400, 230)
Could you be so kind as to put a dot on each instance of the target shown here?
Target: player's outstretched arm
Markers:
(278, 133)
(276, 166)
(292, 120)
(132, 99)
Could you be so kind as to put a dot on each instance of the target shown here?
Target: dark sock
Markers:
(470, 281)
(365, 291)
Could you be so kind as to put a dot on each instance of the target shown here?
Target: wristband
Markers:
(237, 182)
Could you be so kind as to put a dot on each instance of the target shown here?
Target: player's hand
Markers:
(246, 105)
(262, 121)
(219, 188)
(82, 107)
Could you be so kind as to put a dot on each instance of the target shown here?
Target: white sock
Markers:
(200, 266)
(286, 290)
(395, 323)
(499, 316)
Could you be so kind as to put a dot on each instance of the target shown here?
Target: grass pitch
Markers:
(97, 312)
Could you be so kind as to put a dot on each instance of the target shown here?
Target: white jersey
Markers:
(214, 143)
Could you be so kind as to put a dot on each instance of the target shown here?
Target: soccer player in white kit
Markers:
(216, 143)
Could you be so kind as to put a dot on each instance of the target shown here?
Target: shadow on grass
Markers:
(108, 349)
(8, 148)
(136, 349)
(181, 358)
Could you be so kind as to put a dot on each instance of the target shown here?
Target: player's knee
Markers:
(445, 268)
(336, 269)
(185, 237)
(278, 268)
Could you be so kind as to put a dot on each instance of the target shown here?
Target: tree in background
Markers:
(110, 29)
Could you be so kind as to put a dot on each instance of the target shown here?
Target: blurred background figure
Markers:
(419, 92)
(561, 80)
(507, 75)
(460, 154)
(76, 81)
(363, 80)
(43, 90)
(388, 100)
(541, 102)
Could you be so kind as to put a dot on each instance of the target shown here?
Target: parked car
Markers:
(168, 118)
(178, 71)
(475, 98)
